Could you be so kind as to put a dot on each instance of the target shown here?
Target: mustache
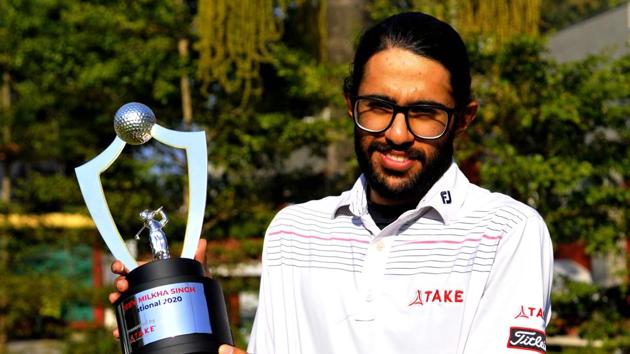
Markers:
(385, 148)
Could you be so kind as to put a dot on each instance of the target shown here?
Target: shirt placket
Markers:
(372, 277)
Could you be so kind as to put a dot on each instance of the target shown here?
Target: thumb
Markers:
(200, 253)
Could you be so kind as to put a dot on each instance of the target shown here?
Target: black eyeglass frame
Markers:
(405, 111)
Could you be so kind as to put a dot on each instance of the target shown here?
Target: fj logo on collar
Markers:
(446, 197)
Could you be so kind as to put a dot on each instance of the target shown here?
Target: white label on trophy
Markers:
(165, 311)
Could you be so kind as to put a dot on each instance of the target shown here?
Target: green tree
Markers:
(71, 64)
(555, 136)
(67, 66)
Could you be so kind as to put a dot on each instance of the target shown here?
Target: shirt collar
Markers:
(355, 199)
(446, 196)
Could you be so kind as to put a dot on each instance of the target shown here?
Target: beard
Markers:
(414, 186)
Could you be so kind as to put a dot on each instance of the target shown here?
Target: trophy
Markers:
(170, 306)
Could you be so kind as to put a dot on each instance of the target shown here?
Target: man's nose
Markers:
(398, 132)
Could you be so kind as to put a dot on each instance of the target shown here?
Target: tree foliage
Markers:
(71, 65)
(234, 40)
(556, 136)
(494, 19)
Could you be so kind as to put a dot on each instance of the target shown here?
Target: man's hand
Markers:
(228, 349)
(121, 285)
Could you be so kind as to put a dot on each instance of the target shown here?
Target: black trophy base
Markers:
(172, 308)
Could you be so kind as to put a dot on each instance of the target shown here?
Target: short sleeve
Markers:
(515, 306)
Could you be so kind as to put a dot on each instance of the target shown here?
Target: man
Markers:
(413, 258)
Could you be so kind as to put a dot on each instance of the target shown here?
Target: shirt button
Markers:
(380, 245)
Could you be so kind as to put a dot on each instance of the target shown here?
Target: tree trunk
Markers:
(5, 103)
(184, 84)
(4, 291)
(345, 21)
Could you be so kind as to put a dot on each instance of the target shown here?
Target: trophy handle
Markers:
(197, 160)
(89, 177)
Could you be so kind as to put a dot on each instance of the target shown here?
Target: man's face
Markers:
(400, 167)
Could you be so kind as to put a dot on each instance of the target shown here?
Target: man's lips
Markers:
(395, 161)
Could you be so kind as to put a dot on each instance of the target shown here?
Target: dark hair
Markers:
(422, 34)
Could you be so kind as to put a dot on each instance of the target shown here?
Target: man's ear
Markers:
(466, 117)
(348, 105)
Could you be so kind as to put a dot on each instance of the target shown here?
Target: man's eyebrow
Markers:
(427, 102)
(381, 97)
(414, 103)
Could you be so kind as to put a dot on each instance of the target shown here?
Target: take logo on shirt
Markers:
(527, 312)
(421, 297)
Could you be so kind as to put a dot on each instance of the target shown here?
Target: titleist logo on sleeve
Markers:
(527, 339)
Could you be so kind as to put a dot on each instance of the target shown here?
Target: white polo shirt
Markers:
(467, 271)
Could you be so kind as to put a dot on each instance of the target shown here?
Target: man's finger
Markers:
(113, 297)
(121, 284)
(119, 268)
(116, 333)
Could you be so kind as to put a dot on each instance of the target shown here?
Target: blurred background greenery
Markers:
(263, 78)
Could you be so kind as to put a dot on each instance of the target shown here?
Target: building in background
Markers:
(608, 32)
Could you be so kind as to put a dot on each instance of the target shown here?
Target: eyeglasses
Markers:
(425, 121)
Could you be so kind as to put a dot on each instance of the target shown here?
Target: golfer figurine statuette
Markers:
(157, 237)
(170, 306)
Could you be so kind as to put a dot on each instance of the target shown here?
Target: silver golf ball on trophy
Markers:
(170, 306)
